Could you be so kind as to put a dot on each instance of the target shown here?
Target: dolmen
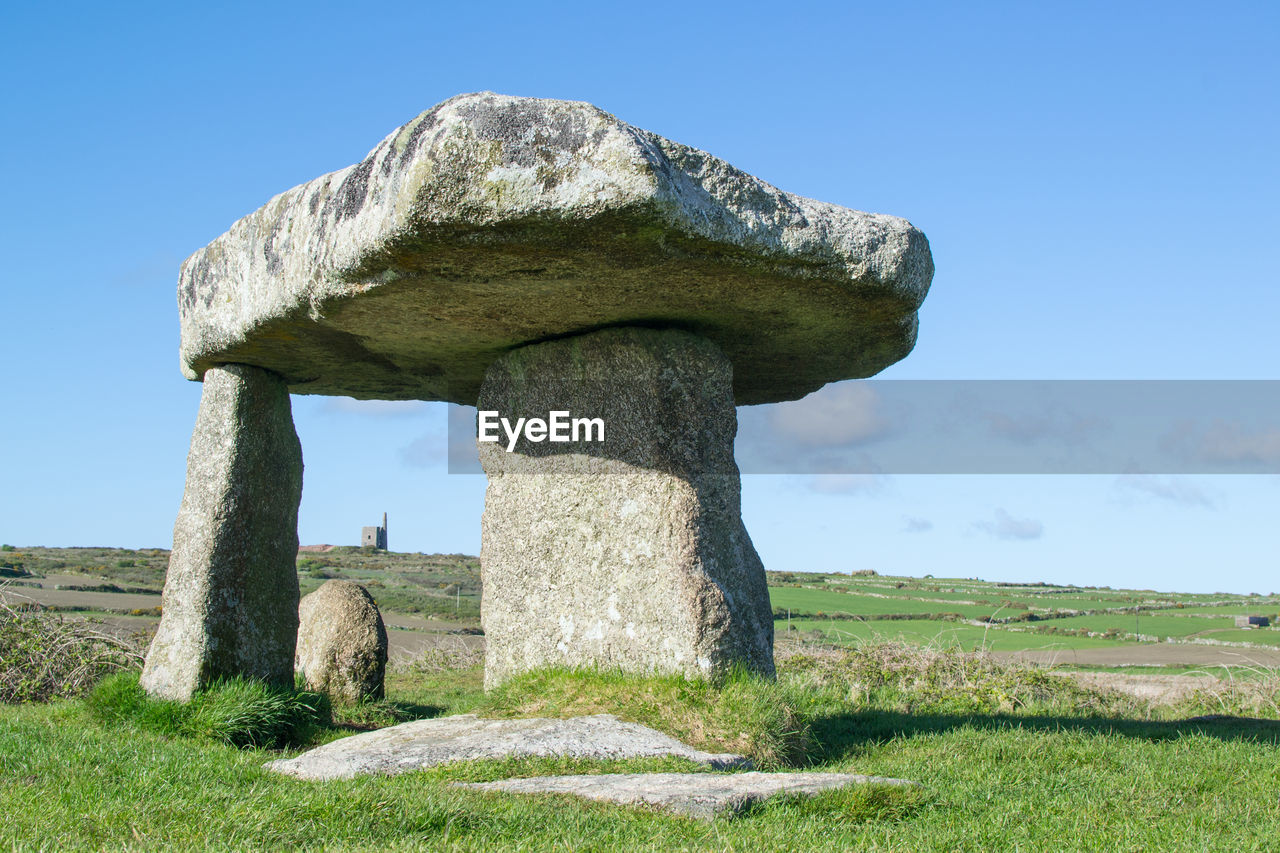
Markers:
(528, 257)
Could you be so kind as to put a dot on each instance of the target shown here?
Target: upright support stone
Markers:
(231, 593)
(629, 552)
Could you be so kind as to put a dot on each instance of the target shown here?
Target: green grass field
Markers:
(446, 587)
(937, 634)
(1007, 759)
(806, 600)
(1146, 622)
(1266, 607)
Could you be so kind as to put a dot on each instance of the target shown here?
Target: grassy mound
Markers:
(775, 722)
(765, 720)
(238, 712)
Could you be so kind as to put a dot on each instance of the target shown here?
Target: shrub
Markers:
(44, 655)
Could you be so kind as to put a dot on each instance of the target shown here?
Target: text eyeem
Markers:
(558, 426)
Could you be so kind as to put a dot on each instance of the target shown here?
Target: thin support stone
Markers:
(231, 592)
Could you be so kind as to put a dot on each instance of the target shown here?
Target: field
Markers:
(1007, 758)
(427, 600)
(1119, 737)
(432, 600)
(1158, 631)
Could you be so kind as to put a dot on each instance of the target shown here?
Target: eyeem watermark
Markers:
(557, 427)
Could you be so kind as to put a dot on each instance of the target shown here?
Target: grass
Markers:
(1244, 608)
(763, 719)
(1153, 624)
(1169, 669)
(1256, 636)
(926, 632)
(1008, 758)
(237, 712)
(447, 587)
(805, 600)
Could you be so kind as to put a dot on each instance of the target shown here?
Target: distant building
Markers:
(1252, 621)
(375, 537)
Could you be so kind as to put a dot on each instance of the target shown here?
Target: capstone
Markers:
(490, 222)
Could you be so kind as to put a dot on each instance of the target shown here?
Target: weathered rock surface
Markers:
(231, 592)
(629, 552)
(426, 743)
(698, 795)
(342, 643)
(489, 222)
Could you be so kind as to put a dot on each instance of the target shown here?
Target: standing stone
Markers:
(342, 643)
(629, 552)
(231, 593)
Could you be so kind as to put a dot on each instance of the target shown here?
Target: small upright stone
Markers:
(342, 643)
(231, 592)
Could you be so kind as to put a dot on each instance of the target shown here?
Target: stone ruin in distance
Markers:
(525, 255)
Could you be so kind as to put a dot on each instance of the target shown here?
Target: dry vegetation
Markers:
(45, 655)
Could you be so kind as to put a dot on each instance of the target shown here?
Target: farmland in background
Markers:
(433, 598)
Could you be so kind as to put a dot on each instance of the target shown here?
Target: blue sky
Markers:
(1097, 181)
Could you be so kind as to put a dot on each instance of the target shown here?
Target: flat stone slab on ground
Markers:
(699, 795)
(425, 743)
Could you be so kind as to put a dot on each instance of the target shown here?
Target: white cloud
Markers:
(916, 525)
(1007, 527)
(1225, 445)
(839, 415)
(1176, 490)
(373, 408)
(429, 450)
(847, 484)
(1224, 442)
(1056, 426)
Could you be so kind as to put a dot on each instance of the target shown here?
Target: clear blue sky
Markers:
(1098, 183)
